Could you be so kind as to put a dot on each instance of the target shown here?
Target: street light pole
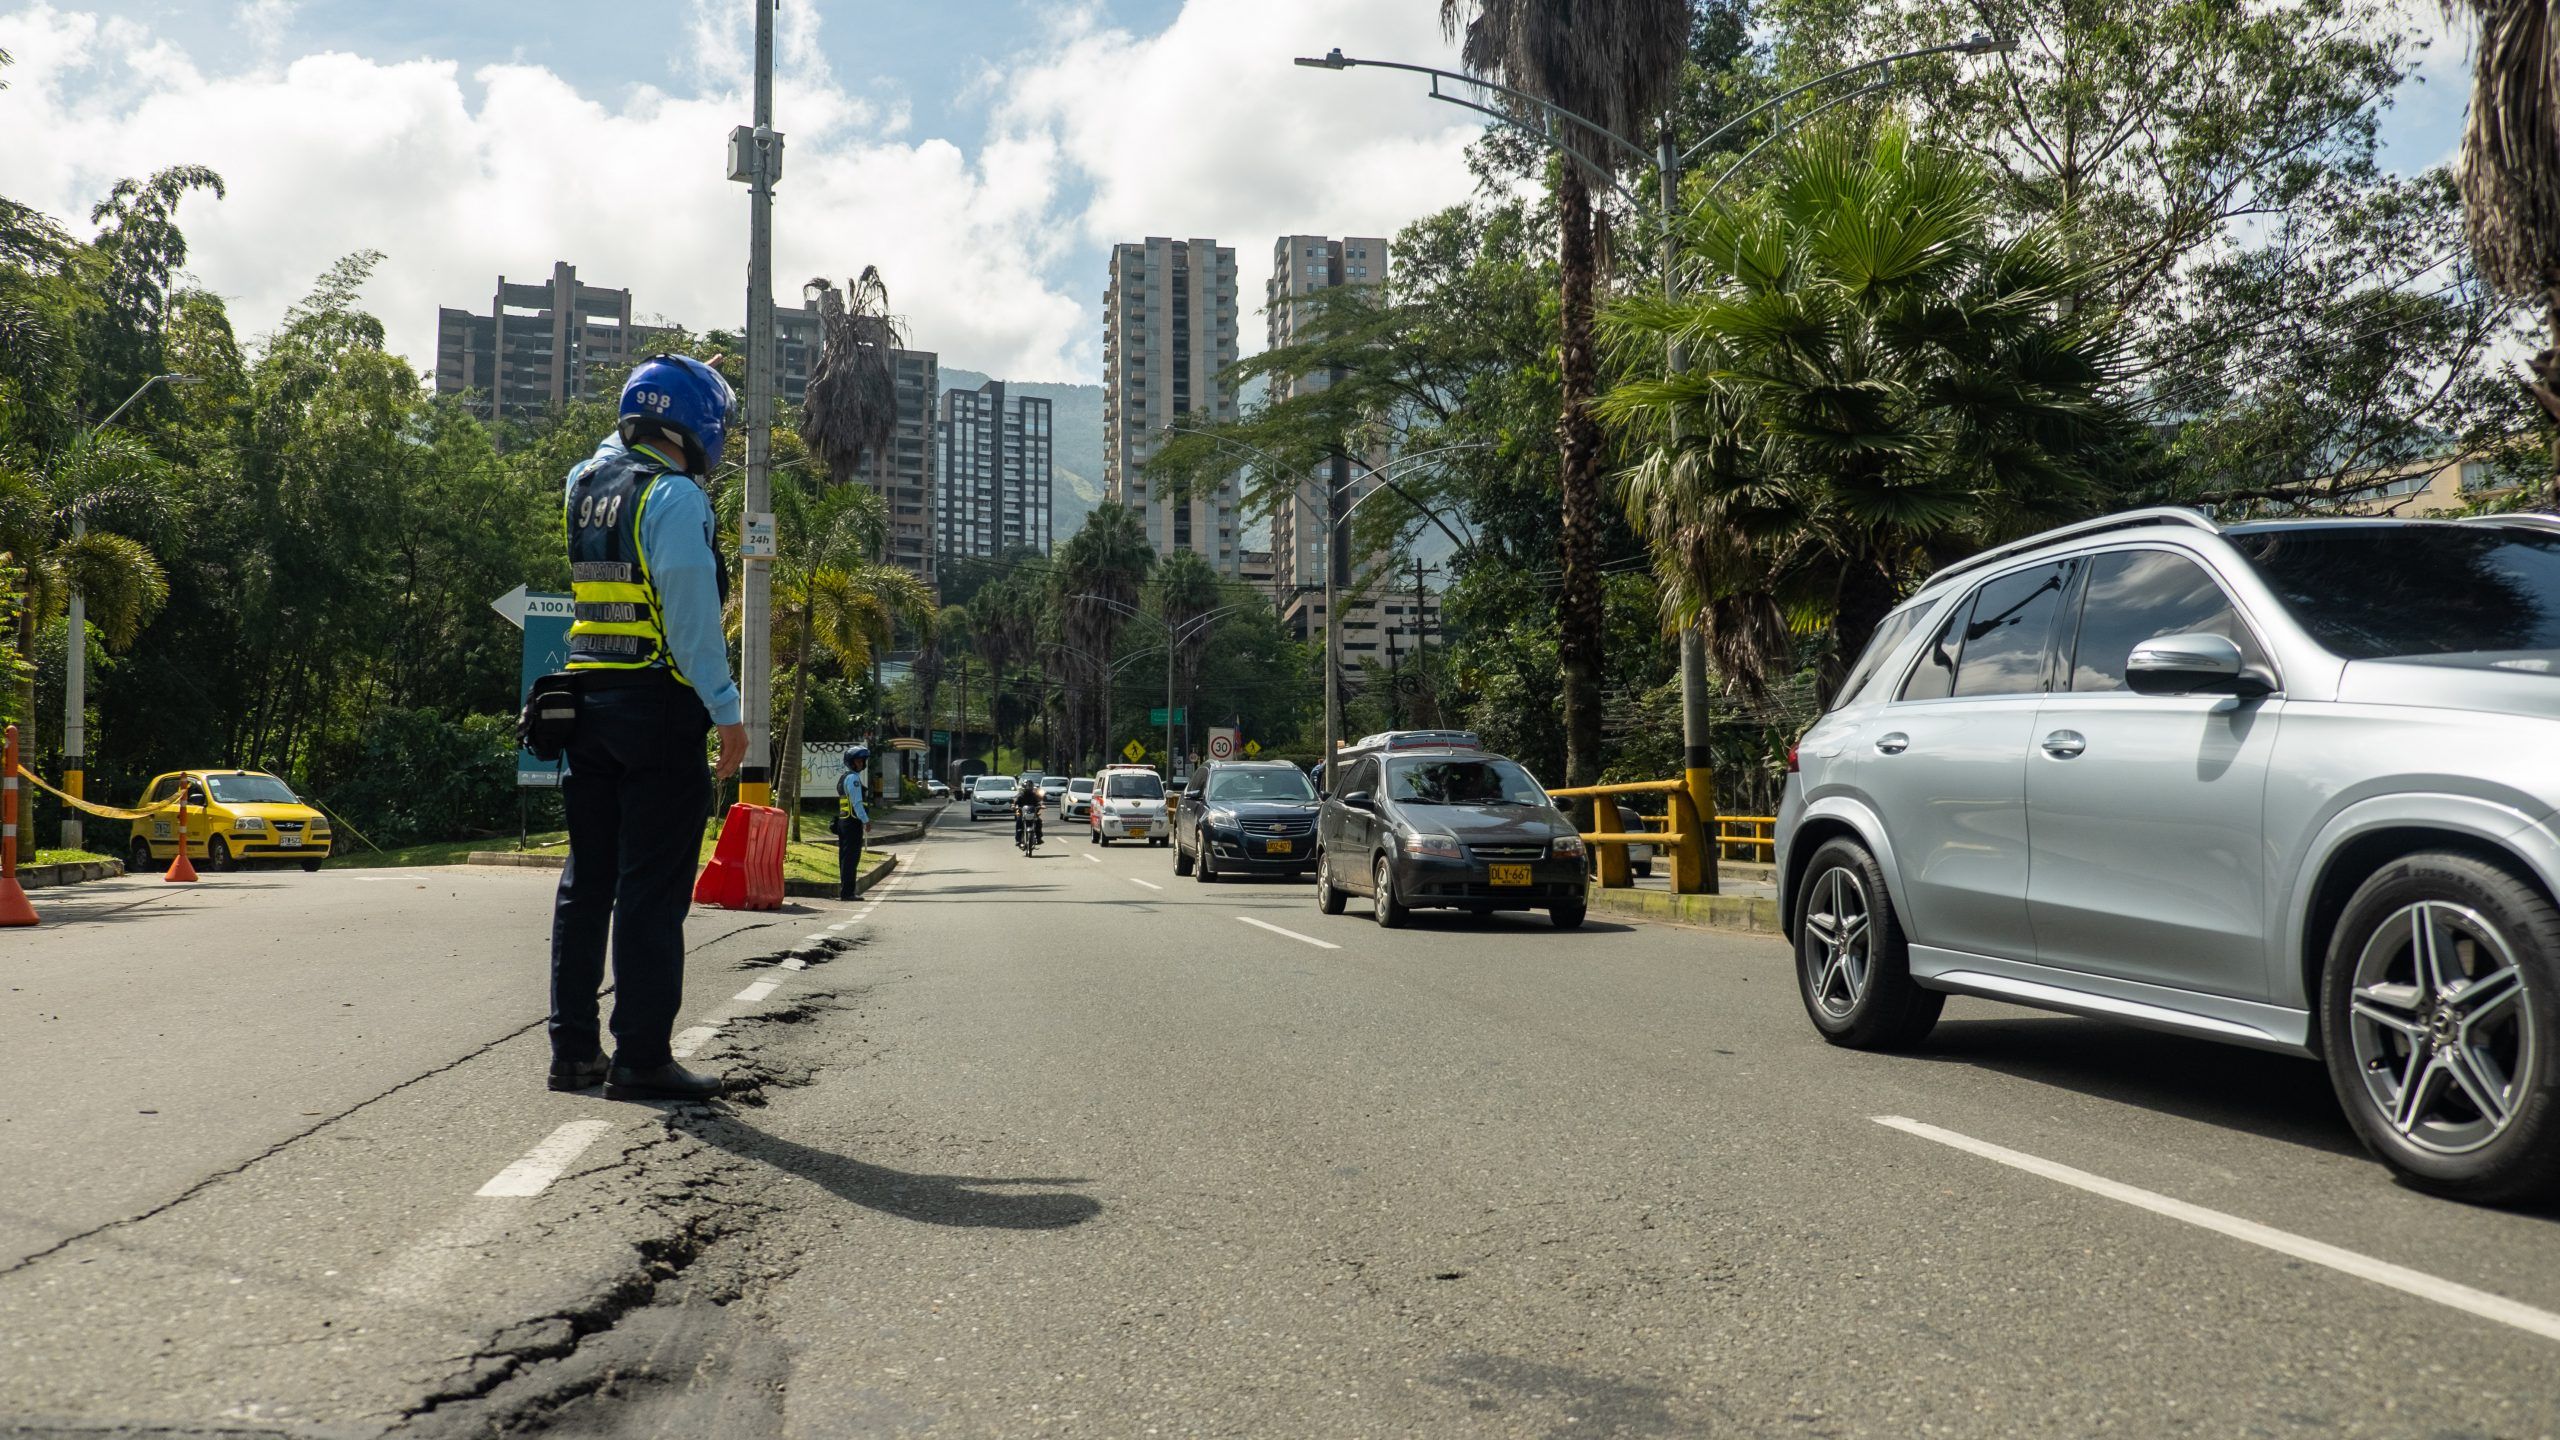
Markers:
(755, 156)
(75, 652)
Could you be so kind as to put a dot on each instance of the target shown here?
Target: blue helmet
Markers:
(858, 755)
(687, 397)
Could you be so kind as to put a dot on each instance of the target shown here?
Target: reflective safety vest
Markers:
(844, 798)
(615, 617)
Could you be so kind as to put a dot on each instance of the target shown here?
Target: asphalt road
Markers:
(1065, 1145)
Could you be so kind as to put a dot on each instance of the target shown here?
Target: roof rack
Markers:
(2128, 520)
(2521, 519)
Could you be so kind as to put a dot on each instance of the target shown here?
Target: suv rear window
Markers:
(1994, 639)
(1134, 787)
(2379, 591)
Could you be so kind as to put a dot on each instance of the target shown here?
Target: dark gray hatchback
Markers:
(1439, 827)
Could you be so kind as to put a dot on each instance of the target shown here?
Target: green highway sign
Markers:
(1181, 715)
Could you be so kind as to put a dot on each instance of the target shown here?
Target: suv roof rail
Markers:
(2126, 520)
(2522, 519)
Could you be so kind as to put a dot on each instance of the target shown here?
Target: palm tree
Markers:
(1880, 376)
(1098, 573)
(1001, 625)
(1617, 64)
(99, 477)
(1183, 588)
(2510, 175)
(852, 407)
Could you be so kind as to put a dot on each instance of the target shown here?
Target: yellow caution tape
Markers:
(106, 812)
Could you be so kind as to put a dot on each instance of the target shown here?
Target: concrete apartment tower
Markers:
(904, 474)
(995, 472)
(1303, 266)
(1168, 329)
(539, 346)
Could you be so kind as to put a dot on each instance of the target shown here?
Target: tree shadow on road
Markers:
(966, 1201)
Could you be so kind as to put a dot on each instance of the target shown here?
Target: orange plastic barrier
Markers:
(14, 909)
(745, 872)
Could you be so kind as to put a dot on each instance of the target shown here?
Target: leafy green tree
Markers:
(1094, 584)
(1880, 375)
(110, 481)
(138, 253)
(1617, 64)
(2511, 179)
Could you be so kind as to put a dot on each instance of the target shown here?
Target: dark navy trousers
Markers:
(638, 793)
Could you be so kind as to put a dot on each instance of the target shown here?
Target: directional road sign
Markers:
(544, 619)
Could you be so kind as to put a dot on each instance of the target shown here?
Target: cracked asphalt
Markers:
(1029, 1147)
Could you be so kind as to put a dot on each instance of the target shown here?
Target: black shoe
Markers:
(583, 1074)
(665, 1080)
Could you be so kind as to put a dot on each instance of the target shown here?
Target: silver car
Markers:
(2290, 785)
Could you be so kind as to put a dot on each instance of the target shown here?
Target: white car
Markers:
(937, 790)
(1128, 804)
(1079, 802)
(991, 795)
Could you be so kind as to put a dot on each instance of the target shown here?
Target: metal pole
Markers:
(75, 657)
(755, 604)
(1333, 547)
(1696, 762)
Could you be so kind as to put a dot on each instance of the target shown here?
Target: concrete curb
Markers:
(71, 872)
(1754, 914)
(517, 860)
(820, 890)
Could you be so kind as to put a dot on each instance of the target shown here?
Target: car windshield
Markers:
(2371, 592)
(1135, 787)
(1462, 782)
(995, 782)
(250, 790)
(1273, 784)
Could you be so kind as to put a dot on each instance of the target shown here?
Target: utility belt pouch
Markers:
(550, 718)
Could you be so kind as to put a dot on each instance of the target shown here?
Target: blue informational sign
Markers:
(546, 650)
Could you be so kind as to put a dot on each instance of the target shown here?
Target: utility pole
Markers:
(1336, 555)
(755, 156)
(1697, 766)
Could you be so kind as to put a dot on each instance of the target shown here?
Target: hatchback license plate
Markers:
(1135, 830)
(290, 842)
(1508, 874)
(1275, 847)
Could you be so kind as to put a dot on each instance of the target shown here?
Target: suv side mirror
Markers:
(2199, 664)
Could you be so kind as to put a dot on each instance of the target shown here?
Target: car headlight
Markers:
(249, 825)
(1445, 847)
(1222, 817)
(1568, 847)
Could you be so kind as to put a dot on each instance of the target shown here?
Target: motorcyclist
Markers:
(1026, 807)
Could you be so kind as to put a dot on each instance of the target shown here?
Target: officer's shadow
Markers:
(960, 1200)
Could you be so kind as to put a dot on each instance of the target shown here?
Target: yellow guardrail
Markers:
(1759, 841)
(1682, 836)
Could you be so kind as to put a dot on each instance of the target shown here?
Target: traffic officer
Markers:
(653, 680)
(852, 814)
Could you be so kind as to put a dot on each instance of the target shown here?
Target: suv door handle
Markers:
(2063, 744)
(1893, 744)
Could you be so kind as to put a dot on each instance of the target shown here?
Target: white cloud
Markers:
(265, 21)
(1097, 136)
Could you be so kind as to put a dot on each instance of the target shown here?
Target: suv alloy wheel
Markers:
(2440, 1008)
(1852, 965)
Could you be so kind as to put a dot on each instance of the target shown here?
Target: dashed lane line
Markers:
(1292, 934)
(755, 993)
(543, 1163)
(2284, 1242)
(691, 1039)
(1150, 884)
(1093, 859)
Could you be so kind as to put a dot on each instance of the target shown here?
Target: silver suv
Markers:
(2290, 785)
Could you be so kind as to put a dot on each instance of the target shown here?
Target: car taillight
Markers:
(1791, 760)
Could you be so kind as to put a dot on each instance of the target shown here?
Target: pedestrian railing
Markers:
(1747, 837)
(1682, 836)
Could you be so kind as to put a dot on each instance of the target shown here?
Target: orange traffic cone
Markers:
(14, 909)
(182, 871)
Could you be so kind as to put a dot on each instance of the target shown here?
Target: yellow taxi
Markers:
(233, 816)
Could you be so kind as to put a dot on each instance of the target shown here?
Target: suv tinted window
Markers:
(2138, 595)
(2004, 640)
(1934, 677)
(2370, 591)
(1888, 635)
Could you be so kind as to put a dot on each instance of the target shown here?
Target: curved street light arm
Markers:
(1977, 44)
(1782, 132)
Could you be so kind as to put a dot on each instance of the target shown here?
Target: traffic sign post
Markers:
(544, 619)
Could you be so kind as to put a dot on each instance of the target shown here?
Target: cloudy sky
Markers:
(984, 153)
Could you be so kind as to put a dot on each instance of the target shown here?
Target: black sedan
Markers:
(1245, 817)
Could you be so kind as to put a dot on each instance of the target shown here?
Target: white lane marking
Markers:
(1096, 859)
(1150, 884)
(2284, 1242)
(688, 1041)
(1292, 934)
(813, 939)
(429, 1267)
(839, 924)
(543, 1163)
(757, 991)
(795, 963)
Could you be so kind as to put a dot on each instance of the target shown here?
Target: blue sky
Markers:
(984, 153)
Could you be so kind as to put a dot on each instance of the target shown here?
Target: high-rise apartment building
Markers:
(995, 481)
(538, 346)
(1303, 266)
(903, 474)
(1168, 331)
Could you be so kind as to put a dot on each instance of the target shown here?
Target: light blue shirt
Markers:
(675, 533)
(851, 787)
